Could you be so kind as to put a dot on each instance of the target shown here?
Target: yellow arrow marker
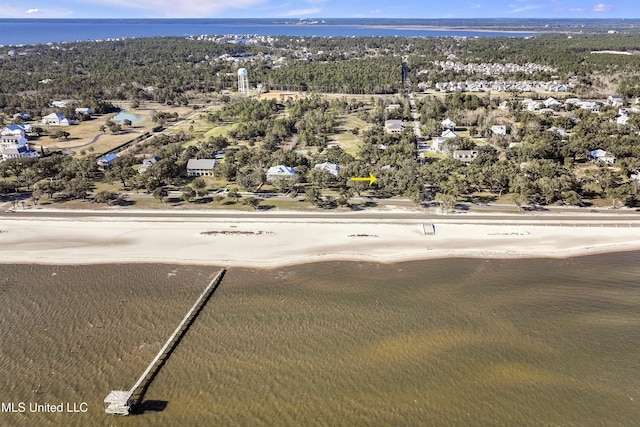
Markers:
(371, 179)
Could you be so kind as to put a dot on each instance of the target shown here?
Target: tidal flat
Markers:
(441, 342)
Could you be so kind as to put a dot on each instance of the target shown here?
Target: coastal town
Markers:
(245, 229)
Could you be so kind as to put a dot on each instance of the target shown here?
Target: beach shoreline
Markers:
(274, 242)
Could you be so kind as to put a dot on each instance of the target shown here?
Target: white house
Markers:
(393, 126)
(14, 143)
(588, 105)
(559, 131)
(146, 163)
(615, 100)
(465, 156)
(56, 119)
(201, 167)
(280, 171)
(499, 130)
(622, 120)
(437, 143)
(552, 103)
(392, 107)
(59, 104)
(600, 155)
(449, 134)
(448, 124)
(85, 111)
(530, 104)
(332, 168)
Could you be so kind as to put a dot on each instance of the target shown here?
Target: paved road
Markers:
(622, 219)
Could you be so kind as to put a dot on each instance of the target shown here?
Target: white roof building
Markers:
(332, 168)
(56, 119)
(448, 124)
(280, 171)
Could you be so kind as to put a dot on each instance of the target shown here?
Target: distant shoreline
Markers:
(458, 29)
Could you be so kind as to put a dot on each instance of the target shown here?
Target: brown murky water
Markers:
(455, 342)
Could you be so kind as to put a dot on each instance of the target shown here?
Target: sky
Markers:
(320, 9)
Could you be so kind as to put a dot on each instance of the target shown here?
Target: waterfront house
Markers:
(201, 167)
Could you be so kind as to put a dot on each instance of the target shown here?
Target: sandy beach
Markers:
(272, 242)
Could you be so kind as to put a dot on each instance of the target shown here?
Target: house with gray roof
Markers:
(201, 167)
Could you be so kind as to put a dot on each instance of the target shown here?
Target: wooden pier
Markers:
(120, 402)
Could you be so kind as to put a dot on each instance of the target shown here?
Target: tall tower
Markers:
(243, 81)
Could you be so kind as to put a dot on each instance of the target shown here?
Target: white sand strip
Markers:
(276, 242)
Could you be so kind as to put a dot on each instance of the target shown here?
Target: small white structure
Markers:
(118, 402)
(85, 111)
(437, 144)
(280, 171)
(243, 81)
(615, 100)
(551, 103)
(201, 167)
(332, 168)
(600, 155)
(448, 134)
(448, 124)
(499, 130)
(146, 163)
(59, 104)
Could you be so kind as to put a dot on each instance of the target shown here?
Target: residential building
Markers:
(107, 160)
(600, 155)
(465, 156)
(56, 119)
(499, 130)
(201, 167)
(146, 163)
(393, 126)
(448, 124)
(332, 168)
(280, 171)
(14, 143)
(449, 134)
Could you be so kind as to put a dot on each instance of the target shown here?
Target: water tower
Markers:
(243, 81)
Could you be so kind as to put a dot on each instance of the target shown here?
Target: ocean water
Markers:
(452, 342)
(37, 31)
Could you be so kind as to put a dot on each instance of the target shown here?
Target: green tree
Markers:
(160, 193)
